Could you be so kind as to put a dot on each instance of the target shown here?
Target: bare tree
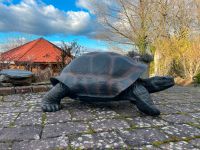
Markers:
(11, 43)
(197, 14)
(71, 51)
(126, 21)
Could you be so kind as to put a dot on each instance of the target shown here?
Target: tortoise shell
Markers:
(100, 74)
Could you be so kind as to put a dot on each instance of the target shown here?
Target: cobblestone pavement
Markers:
(116, 125)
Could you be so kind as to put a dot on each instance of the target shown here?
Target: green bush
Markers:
(197, 78)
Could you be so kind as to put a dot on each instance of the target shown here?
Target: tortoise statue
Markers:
(105, 76)
(15, 77)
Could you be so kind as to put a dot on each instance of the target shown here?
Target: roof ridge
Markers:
(54, 45)
(30, 48)
(19, 46)
(35, 51)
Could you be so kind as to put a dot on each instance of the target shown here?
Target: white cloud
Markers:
(89, 4)
(30, 16)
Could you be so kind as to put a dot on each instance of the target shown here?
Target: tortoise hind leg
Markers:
(51, 101)
(141, 98)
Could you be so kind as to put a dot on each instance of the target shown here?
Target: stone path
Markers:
(117, 125)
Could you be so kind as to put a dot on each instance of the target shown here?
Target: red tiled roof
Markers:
(37, 51)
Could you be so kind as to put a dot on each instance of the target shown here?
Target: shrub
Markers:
(197, 78)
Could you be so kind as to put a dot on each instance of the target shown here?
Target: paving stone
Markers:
(5, 110)
(164, 109)
(105, 113)
(7, 104)
(166, 101)
(31, 102)
(35, 96)
(7, 119)
(140, 137)
(109, 124)
(170, 98)
(82, 115)
(195, 142)
(29, 118)
(196, 106)
(126, 109)
(146, 147)
(185, 107)
(147, 121)
(35, 109)
(69, 104)
(20, 133)
(193, 106)
(14, 97)
(103, 140)
(46, 144)
(59, 116)
(182, 145)
(159, 98)
(178, 118)
(53, 130)
(5, 146)
(181, 131)
(113, 109)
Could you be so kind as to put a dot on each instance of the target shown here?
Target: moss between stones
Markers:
(173, 139)
(1, 98)
(12, 124)
(16, 105)
(69, 147)
(182, 113)
(158, 143)
(194, 125)
(133, 127)
(90, 131)
(44, 118)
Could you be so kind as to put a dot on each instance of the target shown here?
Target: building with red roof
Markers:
(35, 55)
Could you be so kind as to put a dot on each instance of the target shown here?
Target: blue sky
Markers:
(54, 20)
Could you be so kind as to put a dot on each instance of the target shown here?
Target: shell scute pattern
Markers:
(100, 74)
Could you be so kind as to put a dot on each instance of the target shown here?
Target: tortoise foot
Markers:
(147, 109)
(51, 107)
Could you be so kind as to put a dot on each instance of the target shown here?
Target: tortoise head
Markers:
(157, 83)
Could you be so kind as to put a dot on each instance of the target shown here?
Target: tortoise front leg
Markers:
(51, 101)
(140, 96)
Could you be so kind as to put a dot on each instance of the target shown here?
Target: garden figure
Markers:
(102, 77)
